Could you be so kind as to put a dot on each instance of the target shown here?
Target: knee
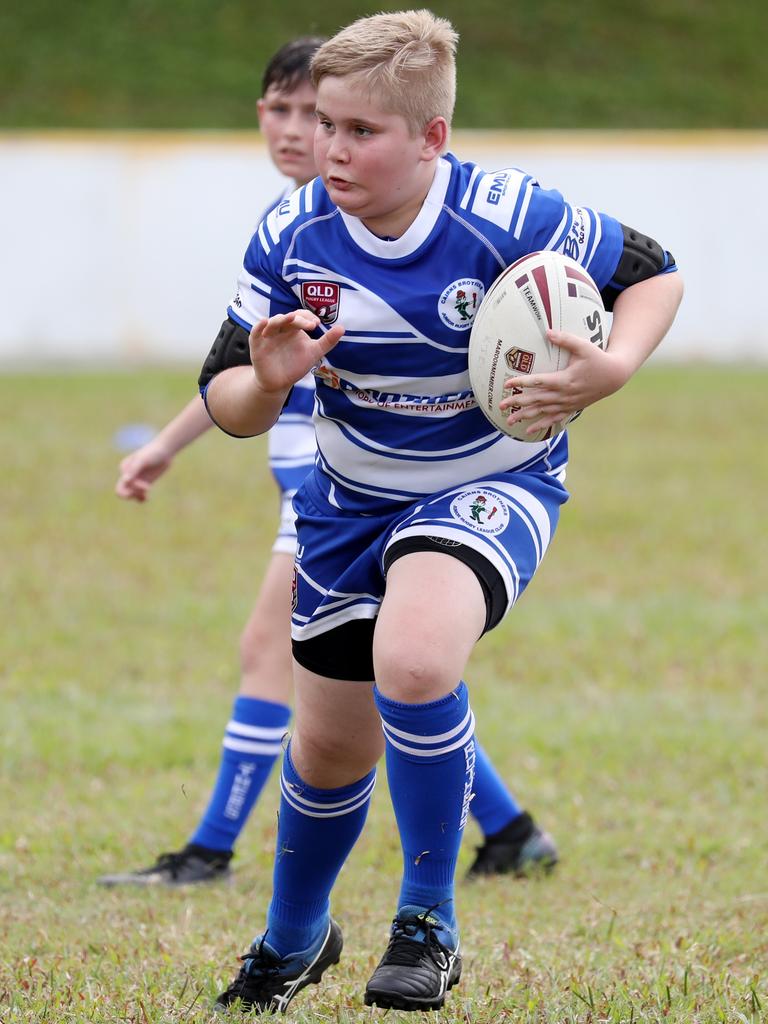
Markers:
(265, 665)
(254, 643)
(265, 643)
(413, 676)
(325, 762)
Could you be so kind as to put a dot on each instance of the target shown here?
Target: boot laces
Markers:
(404, 951)
(259, 967)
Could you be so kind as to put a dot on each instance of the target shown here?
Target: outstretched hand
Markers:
(547, 398)
(282, 352)
(139, 470)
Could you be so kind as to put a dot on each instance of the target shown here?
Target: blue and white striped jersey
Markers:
(291, 441)
(395, 417)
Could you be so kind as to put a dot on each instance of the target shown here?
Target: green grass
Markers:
(624, 699)
(549, 64)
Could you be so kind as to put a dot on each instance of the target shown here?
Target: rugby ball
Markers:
(540, 291)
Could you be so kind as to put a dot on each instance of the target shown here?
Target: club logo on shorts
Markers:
(295, 589)
(484, 511)
(459, 303)
(322, 299)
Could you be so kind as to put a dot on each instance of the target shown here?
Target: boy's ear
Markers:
(259, 110)
(435, 137)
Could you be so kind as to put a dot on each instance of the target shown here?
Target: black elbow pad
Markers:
(229, 349)
(641, 258)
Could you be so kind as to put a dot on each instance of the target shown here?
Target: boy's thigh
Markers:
(338, 580)
(499, 527)
(434, 611)
(338, 585)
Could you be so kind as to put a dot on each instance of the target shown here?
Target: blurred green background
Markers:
(546, 64)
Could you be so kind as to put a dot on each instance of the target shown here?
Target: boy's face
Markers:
(370, 163)
(287, 121)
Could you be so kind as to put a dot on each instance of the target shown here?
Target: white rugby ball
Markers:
(540, 291)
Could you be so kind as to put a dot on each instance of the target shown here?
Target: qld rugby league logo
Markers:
(322, 299)
(459, 303)
(519, 361)
(484, 511)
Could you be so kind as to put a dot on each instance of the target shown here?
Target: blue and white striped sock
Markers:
(252, 742)
(316, 832)
(430, 766)
(493, 806)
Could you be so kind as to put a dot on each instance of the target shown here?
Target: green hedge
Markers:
(532, 64)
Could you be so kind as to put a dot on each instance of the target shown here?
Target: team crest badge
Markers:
(459, 303)
(484, 511)
(322, 299)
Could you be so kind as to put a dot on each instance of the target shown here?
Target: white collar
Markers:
(416, 234)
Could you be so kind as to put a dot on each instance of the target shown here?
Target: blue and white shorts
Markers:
(506, 522)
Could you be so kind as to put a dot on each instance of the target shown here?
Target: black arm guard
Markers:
(641, 258)
(229, 349)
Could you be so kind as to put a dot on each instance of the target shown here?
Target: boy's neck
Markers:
(391, 226)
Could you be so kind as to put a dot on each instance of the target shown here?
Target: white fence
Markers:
(125, 248)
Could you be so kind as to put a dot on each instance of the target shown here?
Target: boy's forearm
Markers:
(642, 315)
(236, 403)
(186, 427)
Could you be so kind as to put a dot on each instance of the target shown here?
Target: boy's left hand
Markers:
(547, 398)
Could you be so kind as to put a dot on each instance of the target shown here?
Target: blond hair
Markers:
(405, 59)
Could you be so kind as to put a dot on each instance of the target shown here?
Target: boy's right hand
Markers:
(140, 469)
(282, 351)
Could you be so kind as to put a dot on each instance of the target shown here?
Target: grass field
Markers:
(626, 699)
